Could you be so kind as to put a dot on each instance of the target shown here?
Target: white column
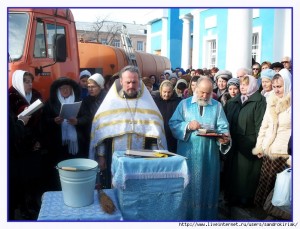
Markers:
(164, 37)
(196, 39)
(287, 42)
(186, 43)
(282, 34)
(239, 39)
(149, 36)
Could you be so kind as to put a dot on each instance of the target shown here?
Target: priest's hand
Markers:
(193, 125)
(225, 139)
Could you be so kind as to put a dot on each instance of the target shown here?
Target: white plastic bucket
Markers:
(78, 179)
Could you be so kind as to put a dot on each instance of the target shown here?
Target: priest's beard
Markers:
(203, 102)
(131, 95)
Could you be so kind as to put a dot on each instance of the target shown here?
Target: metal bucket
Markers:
(78, 179)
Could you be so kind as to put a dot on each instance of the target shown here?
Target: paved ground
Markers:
(228, 213)
(236, 213)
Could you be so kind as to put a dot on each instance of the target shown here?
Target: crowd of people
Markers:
(249, 110)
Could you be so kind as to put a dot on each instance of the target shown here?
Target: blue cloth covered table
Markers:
(54, 209)
(150, 189)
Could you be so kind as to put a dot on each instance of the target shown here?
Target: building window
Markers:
(140, 46)
(255, 46)
(212, 52)
(103, 41)
(116, 43)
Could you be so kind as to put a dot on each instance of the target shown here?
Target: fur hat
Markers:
(224, 74)
(268, 74)
(84, 73)
(98, 78)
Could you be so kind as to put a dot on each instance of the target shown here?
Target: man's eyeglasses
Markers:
(285, 62)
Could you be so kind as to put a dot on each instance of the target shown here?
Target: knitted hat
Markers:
(267, 73)
(233, 81)
(173, 75)
(84, 73)
(224, 74)
(168, 71)
(98, 78)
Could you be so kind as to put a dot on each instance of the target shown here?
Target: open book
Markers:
(149, 153)
(69, 110)
(37, 104)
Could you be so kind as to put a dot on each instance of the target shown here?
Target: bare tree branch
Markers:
(106, 30)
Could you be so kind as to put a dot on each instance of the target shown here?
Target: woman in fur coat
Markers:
(274, 135)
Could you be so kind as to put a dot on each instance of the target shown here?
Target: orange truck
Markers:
(44, 42)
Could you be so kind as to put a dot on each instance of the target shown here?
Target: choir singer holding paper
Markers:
(60, 135)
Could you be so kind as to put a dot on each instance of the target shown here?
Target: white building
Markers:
(227, 38)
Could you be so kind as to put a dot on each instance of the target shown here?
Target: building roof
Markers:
(134, 29)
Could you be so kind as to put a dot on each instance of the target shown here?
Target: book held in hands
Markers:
(36, 105)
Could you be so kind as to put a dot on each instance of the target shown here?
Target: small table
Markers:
(54, 209)
(150, 189)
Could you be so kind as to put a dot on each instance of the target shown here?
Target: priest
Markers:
(128, 118)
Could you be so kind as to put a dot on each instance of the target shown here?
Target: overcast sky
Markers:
(114, 14)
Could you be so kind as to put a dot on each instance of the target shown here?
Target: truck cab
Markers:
(44, 43)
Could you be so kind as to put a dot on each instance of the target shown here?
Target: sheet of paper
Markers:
(69, 110)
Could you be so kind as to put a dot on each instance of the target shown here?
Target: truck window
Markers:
(18, 24)
(43, 46)
(40, 44)
(50, 35)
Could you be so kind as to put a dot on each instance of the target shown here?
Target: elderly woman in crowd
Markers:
(60, 135)
(88, 109)
(167, 103)
(222, 78)
(244, 113)
(274, 135)
(173, 79)
(266, 81)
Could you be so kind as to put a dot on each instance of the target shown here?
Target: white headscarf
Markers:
(287, 78)
(18, 82)
(68, 132)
